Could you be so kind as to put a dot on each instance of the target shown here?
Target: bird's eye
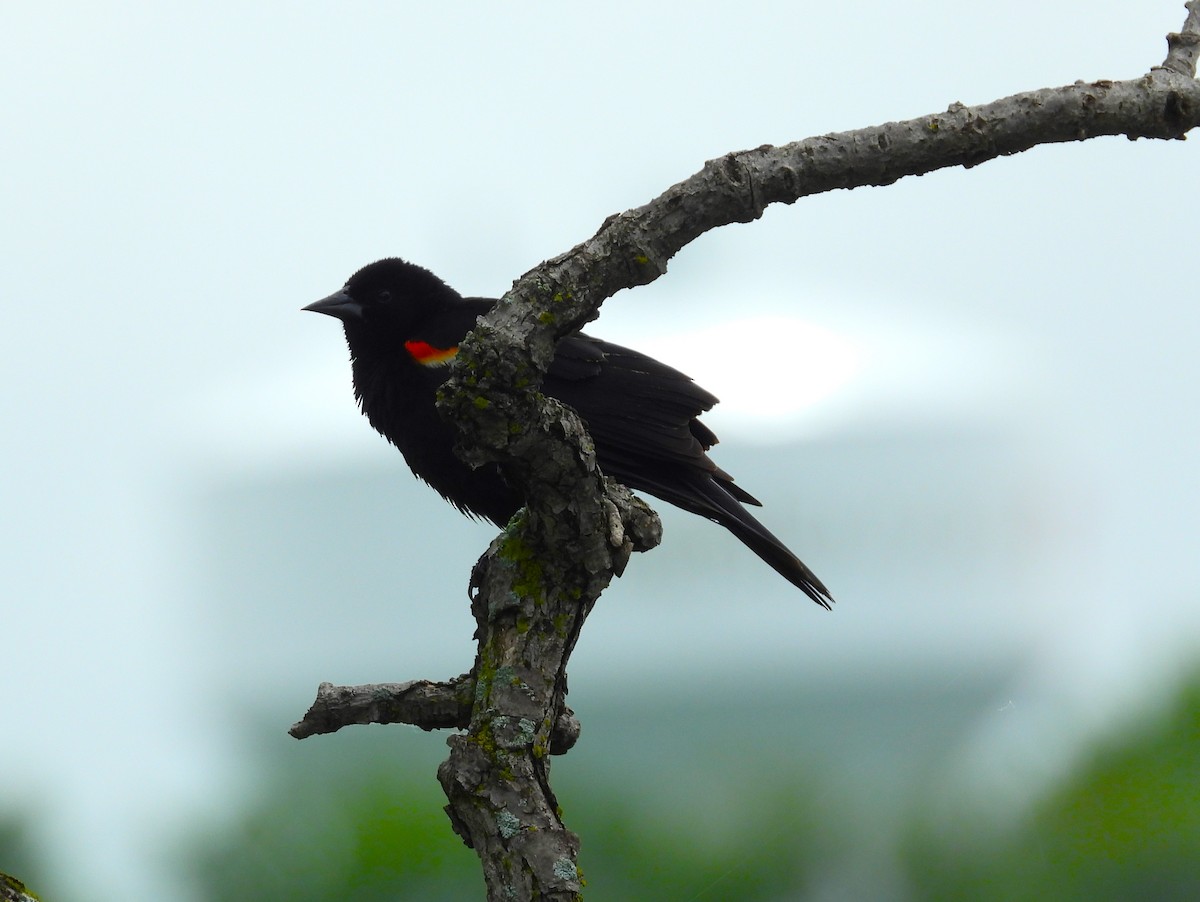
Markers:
(384, 296)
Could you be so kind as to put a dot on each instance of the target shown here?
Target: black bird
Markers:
(403, 325)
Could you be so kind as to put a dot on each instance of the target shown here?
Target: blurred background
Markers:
(968, 401)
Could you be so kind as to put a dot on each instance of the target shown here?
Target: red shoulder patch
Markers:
(427, 355)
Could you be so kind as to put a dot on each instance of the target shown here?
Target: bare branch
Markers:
(535, 587)
(421, 703)
(540, 577)
(1184, 47)
(633, 248)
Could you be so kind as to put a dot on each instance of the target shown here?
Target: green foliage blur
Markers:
(18, 857)
(1125, 825)
(671, 806)
(356, 823)
(351, 820)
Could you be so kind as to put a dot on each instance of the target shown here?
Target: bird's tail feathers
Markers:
(726, 510)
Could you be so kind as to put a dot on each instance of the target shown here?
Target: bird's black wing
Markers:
(643, 417)
(642, 414)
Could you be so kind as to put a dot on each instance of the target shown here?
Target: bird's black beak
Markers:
(340, 305)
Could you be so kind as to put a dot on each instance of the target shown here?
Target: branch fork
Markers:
(533, 589)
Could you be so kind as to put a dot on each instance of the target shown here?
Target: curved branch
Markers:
(540, 577)
(633, 248)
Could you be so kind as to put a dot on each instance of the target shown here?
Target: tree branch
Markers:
(13, 890)
(633, 248)
(1184, 47)
(421, 703)
(536, 584)
(542, 575)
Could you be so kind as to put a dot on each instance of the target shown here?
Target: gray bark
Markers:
(535, 586)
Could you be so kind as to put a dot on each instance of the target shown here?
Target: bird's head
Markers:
(384, 304)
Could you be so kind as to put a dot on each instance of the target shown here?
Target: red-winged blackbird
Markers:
(403, 325)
